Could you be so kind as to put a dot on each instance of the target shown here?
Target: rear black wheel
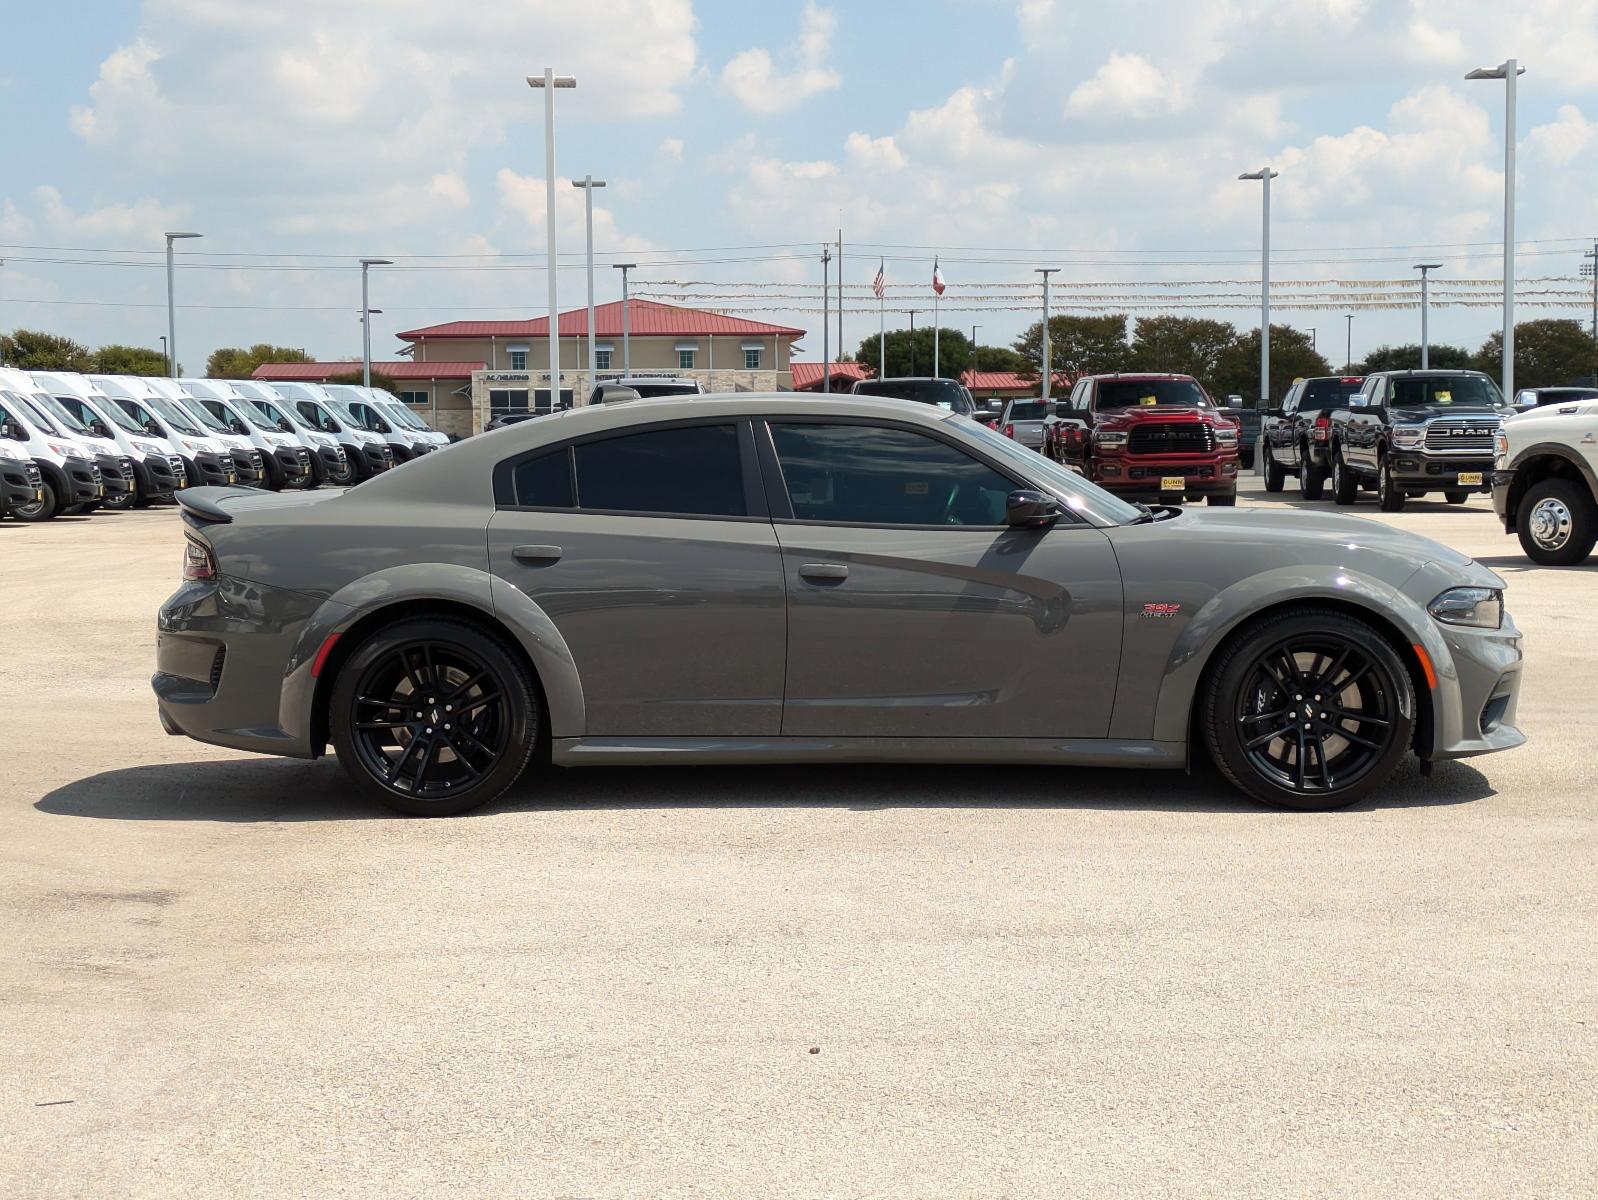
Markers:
(1308, 709)
(1275, 476)
(433, 717)
(1389, 496)
(1345, 487)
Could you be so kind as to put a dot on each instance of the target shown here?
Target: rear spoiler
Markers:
(205, 503)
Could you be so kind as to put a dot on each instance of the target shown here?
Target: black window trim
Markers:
(754, 496)
(776, 485)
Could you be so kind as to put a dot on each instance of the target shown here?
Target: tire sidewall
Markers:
(1584, 523)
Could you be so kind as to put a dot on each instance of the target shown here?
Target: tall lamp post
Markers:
(366, 317)
(1348, 347)
(974, 329)
(1425, 305)
(626, 347)
(1509, 71)
(1265, 175)
(1048, 361)
(588, 183)
(165, 358)
(911, 313)
(549, 81)
(171, 308)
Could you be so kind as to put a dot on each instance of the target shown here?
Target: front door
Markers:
(914, 611)
(651, 553)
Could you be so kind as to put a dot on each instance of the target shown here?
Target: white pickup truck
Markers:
(1545, 481)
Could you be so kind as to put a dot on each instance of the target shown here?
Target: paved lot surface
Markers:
(225, 975)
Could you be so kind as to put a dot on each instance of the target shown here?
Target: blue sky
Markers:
(1105, 139)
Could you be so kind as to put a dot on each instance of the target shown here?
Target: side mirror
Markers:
(237, 426)
(1274, 412)
(328, 426)
(1030, 510)
(283, 424)
(11, 432)
(97, 427)
(151, 428)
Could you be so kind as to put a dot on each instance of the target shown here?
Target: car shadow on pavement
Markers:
(1366, 506)
(272, 790)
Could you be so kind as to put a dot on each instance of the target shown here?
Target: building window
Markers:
(601, 360)
(414, 397)
(751, 360)
(518, 360)
(685, 359)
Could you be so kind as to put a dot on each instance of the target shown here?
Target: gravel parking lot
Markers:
(227, 975)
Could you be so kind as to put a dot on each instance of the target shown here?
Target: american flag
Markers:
(879, 285)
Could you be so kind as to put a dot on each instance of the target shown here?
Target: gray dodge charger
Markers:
(776, 579)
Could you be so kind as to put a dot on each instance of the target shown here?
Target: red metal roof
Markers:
(646, 318)
(807, 375)
(320, 372)
(1006, 381)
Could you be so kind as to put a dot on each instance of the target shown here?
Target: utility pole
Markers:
(911, 313)
(171, 308)
(1509, 71)
(366, 319)
(826, 319)
(1425, 303)
(1265, 175)
(974, 329)
(626, 345)
(1591, 268)
(1348, 352)
(588, 183)
(840, 282)
(549, 81)
(1312, 337)
(1048, 358)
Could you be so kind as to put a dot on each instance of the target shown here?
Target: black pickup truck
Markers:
(1407, 433)
(1298, 434)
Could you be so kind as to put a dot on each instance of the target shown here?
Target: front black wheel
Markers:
(1557, 523)
(1308, 709)
(41, 509)
(1220, 500)
(1389, 496)
(433, 717)
(1275, 476)
(1456, 497)
(345, 475)
(1311, 476)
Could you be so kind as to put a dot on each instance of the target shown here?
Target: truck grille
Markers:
(1471, 437)
(35, 480)
(127, 468)
(1174, 437)
(176, 463)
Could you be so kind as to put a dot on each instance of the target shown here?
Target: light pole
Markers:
(1587, 268)
(826, 319)
(171, 308)
(1048, 363)
(166, 359)
(549, 81)
(1425, 303)
(1348, 349)
(626, 347)
(911, 313)
(366, 318)
(1312, 337)
(1508, 71)
(974, 329)
(1265, 175)
(588, 183)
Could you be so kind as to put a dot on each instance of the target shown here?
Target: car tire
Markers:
(125, 500)
(413, 765)
(348, 477)
(1220, 500)
(1345, 487)
(1557, 522)
(1275, 476)
(1389, 496)
(1311, 478)
(37, 510)
(1456, 497)
(1274, 670)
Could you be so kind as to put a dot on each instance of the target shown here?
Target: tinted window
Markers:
(862, 474)
(945, 393)
(1445, 391)
(1150, 393)
(1330, 393)
(695, 470)
(1031, 410)
(545, 482)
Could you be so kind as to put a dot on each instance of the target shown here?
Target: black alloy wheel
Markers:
(1345, 487)
(433, 717)
(1389, 496)
(1275, 476)
(1310, 709)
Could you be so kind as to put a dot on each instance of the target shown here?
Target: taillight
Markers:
(1322, 424)
(1009, 431)
(197, 561)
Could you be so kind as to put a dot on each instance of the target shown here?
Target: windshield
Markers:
(172, 415)
(1149, 393)
(276, 416)
(241, 410)
(1446, 391)
(1028, 410)
(945, 393)
(1533, 398)
(204, 416)
(1077, 492)
(403, 415)
(63, 417)
(110, 410)
(32, 412)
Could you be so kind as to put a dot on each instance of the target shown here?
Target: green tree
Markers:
(911, 354)
(33, 350)
(130, 360)
(379, 380)
(1548, 353)
(1238, 371)
(1407, 358)
(234, 362)
(1181, 345)
(1077, 345)
(999, 358)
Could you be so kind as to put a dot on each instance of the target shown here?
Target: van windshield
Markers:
(172, 415)
(205, 417)
(109, 410)
(34, 414)
(63, 417)
(277, 416)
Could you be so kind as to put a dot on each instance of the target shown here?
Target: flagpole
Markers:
(882, 337)
(935, 299)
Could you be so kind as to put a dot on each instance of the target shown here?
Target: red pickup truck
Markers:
(1146, 437)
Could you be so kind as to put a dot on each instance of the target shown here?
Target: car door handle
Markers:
(536, 554)
(824, 572)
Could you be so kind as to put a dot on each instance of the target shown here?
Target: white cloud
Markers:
(671, 149)
(523, 199)
(1565, 139)
(755, 81)
(141, 221)
(1127, 85)
(880, 153)
(12, 223)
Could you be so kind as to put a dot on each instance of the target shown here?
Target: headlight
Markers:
(8, 452)
(1480, 608)
(1109, 438)
(1226, 435)
(1407, 437)
(147, 448)
(193, 447)
(67, 450)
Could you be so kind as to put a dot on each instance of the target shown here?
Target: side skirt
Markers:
(1082, 752)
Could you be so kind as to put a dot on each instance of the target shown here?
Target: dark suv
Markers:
(1298, 434)
(945, 393)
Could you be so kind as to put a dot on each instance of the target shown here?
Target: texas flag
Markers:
(937, 278)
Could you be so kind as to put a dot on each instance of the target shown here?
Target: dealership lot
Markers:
(232, 975)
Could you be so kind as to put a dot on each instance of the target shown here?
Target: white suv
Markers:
(1545, 481)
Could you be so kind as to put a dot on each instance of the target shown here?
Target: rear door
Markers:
(913, 610)
(651, 551)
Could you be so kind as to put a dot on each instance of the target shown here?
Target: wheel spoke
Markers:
(1358, 740)
(471, 682)
(1262, 739)
(460, 755)
(429, 745)
(372, 726)
(1342, 714)
(1329, 676)
(417, 687)
(1326, 767)
(1268, 716)
(1303, 753)
(398, 765)
(475, 744)
(479, 702)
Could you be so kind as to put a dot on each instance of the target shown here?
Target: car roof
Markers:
(1429, 371)
(1139, 375)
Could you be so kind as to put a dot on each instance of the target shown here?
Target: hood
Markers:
(1411, 414)
(1552, 412)
(1120, 418)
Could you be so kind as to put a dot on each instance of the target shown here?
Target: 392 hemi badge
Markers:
(1153, 611)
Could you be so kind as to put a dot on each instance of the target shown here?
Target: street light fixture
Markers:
(366, 321)
(171, 308)
(165, 358)
(1509, 71)
(626, 347)
(588, 183)
(549, 81)
(1348, 349)
(1048, 363)
(1425, 304)
(1264, 175)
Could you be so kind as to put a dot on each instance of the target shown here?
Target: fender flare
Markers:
(496, 601)
(1531, 453)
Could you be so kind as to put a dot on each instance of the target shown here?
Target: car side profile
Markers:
(777, 579)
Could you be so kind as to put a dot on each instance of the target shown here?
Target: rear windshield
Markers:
(1556, 396)
(1030, 410)
(1150, 393)
(945, 393)
(1328, 393)
(1446, 391)
(646, 390)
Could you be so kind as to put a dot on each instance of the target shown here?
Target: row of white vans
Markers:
(73, 443)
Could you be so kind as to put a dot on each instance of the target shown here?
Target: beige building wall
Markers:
(648, 354)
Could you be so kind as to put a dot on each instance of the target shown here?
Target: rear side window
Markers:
(546, 482)
(690, 471)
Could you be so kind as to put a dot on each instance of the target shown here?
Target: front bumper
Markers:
(1500, 482)
(1483, 673)
(20, 484)
(116, 471)
(157, 475)
(85, 481)
(249, 467)
(374, 460)
(1144, 478)
(293, 463)
(210, 470)
(1413, 472)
